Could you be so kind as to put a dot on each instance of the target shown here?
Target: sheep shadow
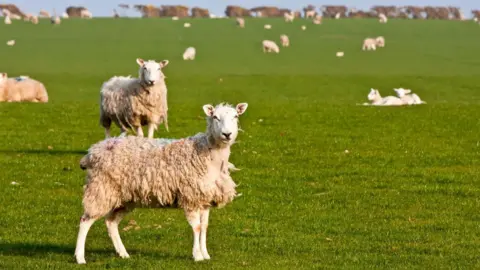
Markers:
(44, 152)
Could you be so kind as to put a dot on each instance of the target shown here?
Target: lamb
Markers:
(189, 53)
(124, 173)
(382, 18)
(380, 41)
(240, 22)
(289, 16)
(285, 41)
(7, 20)
(21, 89)
(270, 46)
(369, 44)
(136, 102)
(408, 98)
(376, 99)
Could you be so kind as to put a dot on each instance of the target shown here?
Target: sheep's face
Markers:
(223, 121)
(373, 94)
(3, 77)
(150, 72)
(401, 92)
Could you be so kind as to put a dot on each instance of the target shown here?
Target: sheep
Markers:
(11, 42)
(55, 20)
(337, 16)
(310, 14)
(21, 89)
(285, 41)
(174, 18)
(136, 102)
(27, 17)
(187, 25)
(304, 27)
(380, 41)
(7, 20)
(189, 53)
(369, 44)
(6, 12)
(44, 14)
(408, 98)
(340, 54)
(240, 22)
(85, 13)
(317, 19)
(267, 26)
(15, 17)
(34, 19)
(376, 99)
(65, 15)
(289, 16)
(270, 46)
(382, 18)
(124, 173)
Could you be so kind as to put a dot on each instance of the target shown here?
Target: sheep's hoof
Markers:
(197, 256)
(205, 255)
(124, 255)
(81, 261)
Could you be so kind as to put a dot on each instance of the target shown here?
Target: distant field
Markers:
(405, 196)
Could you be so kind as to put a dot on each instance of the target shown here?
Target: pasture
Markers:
(405, 195)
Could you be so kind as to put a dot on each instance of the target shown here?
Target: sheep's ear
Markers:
(163, 63)
(241, 108)
(208, 109)
(140, 62)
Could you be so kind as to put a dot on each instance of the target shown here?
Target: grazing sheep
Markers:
(240, 22)
(270, 46)
(189, 53)
(382, 18)
(187, 25)
(267, 26)
(380, 41)
(55, 20)
(285, 41)
(369, 44)
(408, 98)
(21, 89)
(310, 14)
(11, 42)
(136, 102)
(317, 19)
(289, 16)
(174, 18)
(85, 13)
(7, 20)
(376, 99)
(191, 173)
(337, 16)
(34, 19)
(340, 54)
(304, 27)
(65, 15)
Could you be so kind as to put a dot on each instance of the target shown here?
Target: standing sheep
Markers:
(317, 19)
(124, 173)
(34, 19)
(382, 18)
(21, 89)
(270, 46)
(267, 26)
(136, 102)
(289, 16)
(285, 41)
(369, 44)
(380, 41)
(8, 20)
(310, 14)
(189, 53)
(240, 22)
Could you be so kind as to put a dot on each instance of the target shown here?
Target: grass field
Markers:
(405, 196)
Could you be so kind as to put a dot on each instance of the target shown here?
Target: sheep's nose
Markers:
(151, 82)
(227, 135)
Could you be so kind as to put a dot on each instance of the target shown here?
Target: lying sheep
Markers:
(267, 26)
(407, 97)
(189, 53)
(129, 172)
(380, 41)
(21, 89)
(270, 46)
(377, 100)
(136, 102)
(240, 22)
(187, 25)
(369, 44)
(382, 18)
(304, 27)
(285, 41)
(11, 42)
(289, 16)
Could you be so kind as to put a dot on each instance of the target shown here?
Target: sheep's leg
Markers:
(203, 232)
(112, 221)
(193, 218)
(151, 129)
(140, 131)
(107, 132)
(85, 224)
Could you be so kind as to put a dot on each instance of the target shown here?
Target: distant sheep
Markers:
(270, 46)
(377, 100)
(382, 18)
(44, 14)
(340, 54)
(310, 14)
(55, 20)
(174, 18)
(304, 27)
(380, 41)
(86, 14)
(11, 42)
(136, 102)
(289, 16)
(34, 19)
(285, 41)
(7, 20)
(65, 15)
(317, 19)
(191, 173)
(189, 53)
(407, 97)
(337, 16)
(187, 25)
(21, 89)
(267, 26)
(369, 44)
(240, 22)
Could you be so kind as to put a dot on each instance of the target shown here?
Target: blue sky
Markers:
(105, 7)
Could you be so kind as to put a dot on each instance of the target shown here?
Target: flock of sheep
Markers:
(42, 14)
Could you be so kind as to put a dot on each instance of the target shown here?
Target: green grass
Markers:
(405, 196)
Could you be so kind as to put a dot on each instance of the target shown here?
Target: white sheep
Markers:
(317, 19)
(270, 46)
(285, 41)
(304, 27)
(22, 88)
(136, 102)
(44, 14)
(369, 44)
(85, 13)
(377, 100)
(189, 53)
(7, 20)
(124, 173)
(240, 22)
(34, 19)
(380, 41)
(289, 17)
(55, 20)
(65, 15)
(310, 14)
(408, 97)
(187, 25)
(337, 16)
(340, 54)
(11, 42)
(382, 18)
(267, 26)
